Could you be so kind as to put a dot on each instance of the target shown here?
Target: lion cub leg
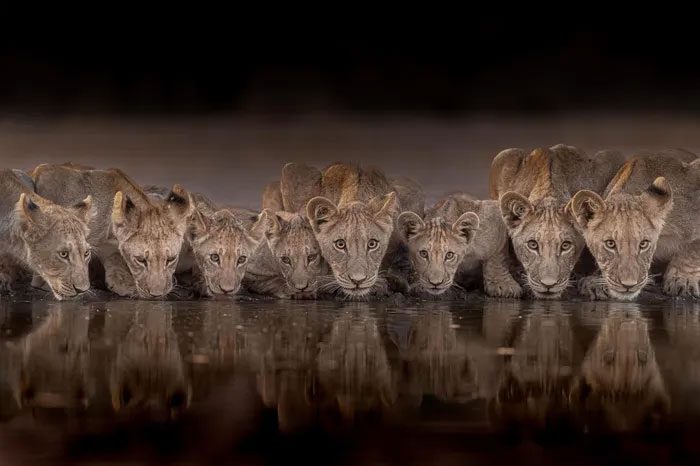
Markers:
(682, 277)
(118, 276)
(498, 280)
(593, 287)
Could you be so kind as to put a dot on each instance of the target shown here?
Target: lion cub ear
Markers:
(179, 202)
(198, 225)
(659, 196)
(320, 210)
(409, 224)
(125, 215)
(584, 206)
(258, 229)
(85, 209)
(274, 224)
(466, 225)
(514, 208)
(29, 212)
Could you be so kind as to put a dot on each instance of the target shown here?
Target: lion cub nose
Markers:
(548, 281)
(629, 283)
(436, 283)
(358, 279)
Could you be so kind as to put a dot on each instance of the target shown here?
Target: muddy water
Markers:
(219, 382)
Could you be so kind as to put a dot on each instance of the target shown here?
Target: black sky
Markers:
(449, 63)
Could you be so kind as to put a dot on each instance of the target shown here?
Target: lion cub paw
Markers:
(508, 288)
(678, 284)
(593, 288)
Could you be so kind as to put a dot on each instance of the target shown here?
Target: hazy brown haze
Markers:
(231, 158)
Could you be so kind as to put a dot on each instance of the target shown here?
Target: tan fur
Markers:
(649, 213)
(220, 246)
(621, 177)
(48, 239)
(354, 226)
(289, 264)
(458, 234)
(137, 239)
(533, 191)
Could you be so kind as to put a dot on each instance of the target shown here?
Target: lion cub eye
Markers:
(566, 245)
(87, 254)
(339, 244)
(532, 244)
(286, 260)
(644, 244)
(449, 256)
(311, 257)
(610, 244)
(242, 260)
(141, 260)
(214, 258)
(372, 244)
(171, 259)
(63, 254)
(423, 253)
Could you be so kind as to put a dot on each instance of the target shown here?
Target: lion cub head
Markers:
(621, 232)
(545, 241)
(222, 244)
(150, 236)
(354, 238)
(296, 251)
(54, 242)
(436, 248)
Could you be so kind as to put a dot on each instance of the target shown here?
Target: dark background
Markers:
(445, 62)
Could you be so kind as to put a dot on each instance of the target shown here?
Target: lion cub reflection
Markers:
(147, 373)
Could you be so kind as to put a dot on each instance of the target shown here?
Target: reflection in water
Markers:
(620, 386)
(589, 367)
(48, 368)
(147, 372)
(535, 383)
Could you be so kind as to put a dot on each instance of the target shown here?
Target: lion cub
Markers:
(220, 244)
(456, 235)
(353, 221)
(649, 213)
(533, 191)
(290, 264)
(48, 239)
(137, 238)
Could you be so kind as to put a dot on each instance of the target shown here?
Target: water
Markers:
(269, 382)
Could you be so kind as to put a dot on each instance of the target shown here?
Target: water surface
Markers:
(273, 382)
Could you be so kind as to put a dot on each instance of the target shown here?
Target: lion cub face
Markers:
(353, 239)
(621, 232)
(296, 251)
(150, 237)
(222, 245)
(545, 241)
(55, 242)
(436, 248)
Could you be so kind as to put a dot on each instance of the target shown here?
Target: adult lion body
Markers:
(533, 190)
(648, 213)
(137, 238)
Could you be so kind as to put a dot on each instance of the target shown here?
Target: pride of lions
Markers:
(358, 233)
